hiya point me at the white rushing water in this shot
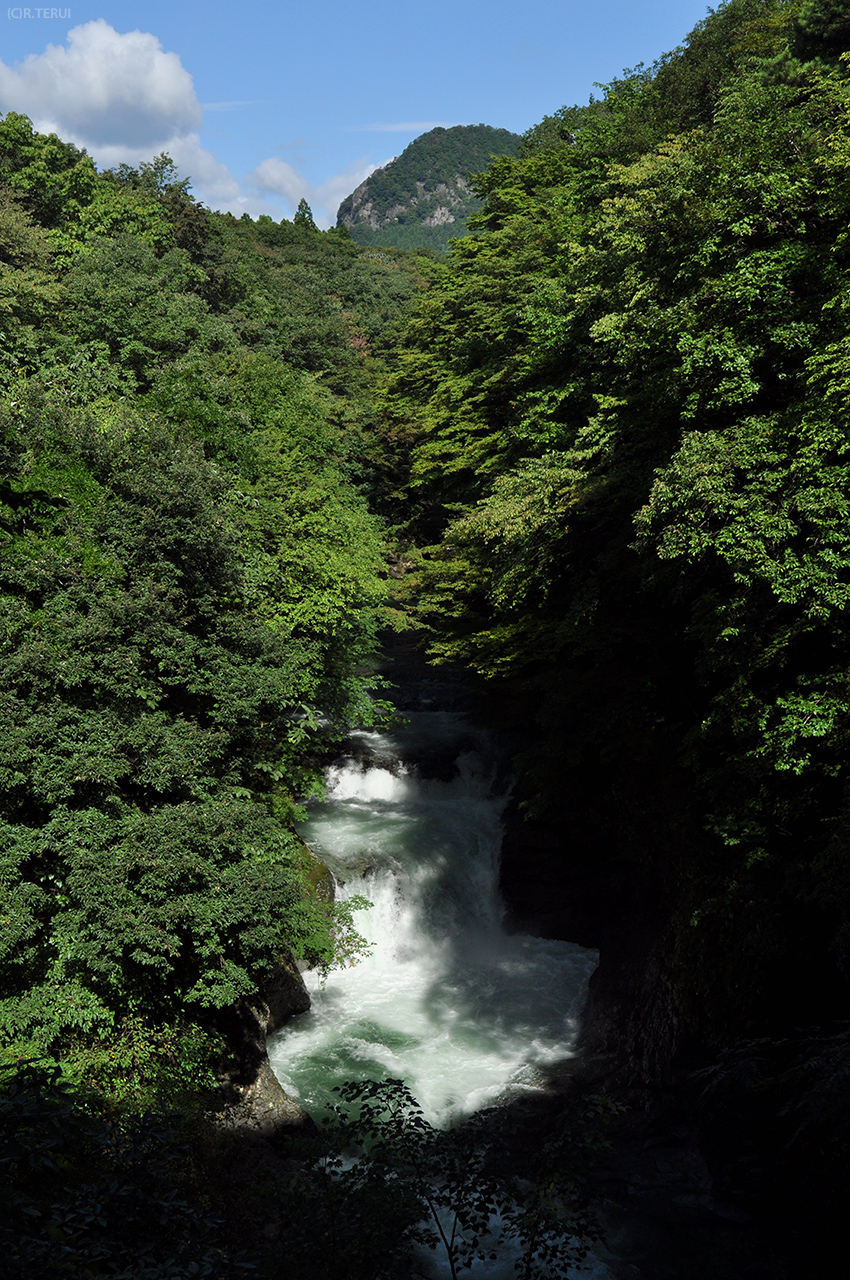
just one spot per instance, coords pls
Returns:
(463, 1012)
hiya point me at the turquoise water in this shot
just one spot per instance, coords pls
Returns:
(463, 1012)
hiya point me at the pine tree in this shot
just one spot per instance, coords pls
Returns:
(304, 215)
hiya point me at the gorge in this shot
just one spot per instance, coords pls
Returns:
(462, 1011)
(597, 460)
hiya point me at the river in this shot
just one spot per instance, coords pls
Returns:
(467, 1014)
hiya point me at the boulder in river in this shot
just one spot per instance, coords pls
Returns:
(255, 1098)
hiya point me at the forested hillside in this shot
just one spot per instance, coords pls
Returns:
(423, 198)
(606, 445)
(629, 478)
(191, 580)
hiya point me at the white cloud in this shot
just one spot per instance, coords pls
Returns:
(278, 177)
(125, 99)
(104, 89)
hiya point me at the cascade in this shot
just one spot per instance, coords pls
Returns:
(465, 1013)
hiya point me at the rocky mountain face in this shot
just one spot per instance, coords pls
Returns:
(423, 198)
(443, 205)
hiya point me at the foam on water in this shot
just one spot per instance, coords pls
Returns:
(462, 1011)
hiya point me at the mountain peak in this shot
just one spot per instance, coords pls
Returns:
(423, 198)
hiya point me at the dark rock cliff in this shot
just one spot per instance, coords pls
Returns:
(253, 1096)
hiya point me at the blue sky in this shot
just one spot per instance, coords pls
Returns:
(261, 104)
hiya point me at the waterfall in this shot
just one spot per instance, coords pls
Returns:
(466, 1014)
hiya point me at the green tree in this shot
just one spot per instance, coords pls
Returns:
(304, 216)
(627, 478)
(384, 1184)
(154, 738)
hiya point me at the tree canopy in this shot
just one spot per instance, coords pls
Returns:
(628, 474)
(191, 583)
